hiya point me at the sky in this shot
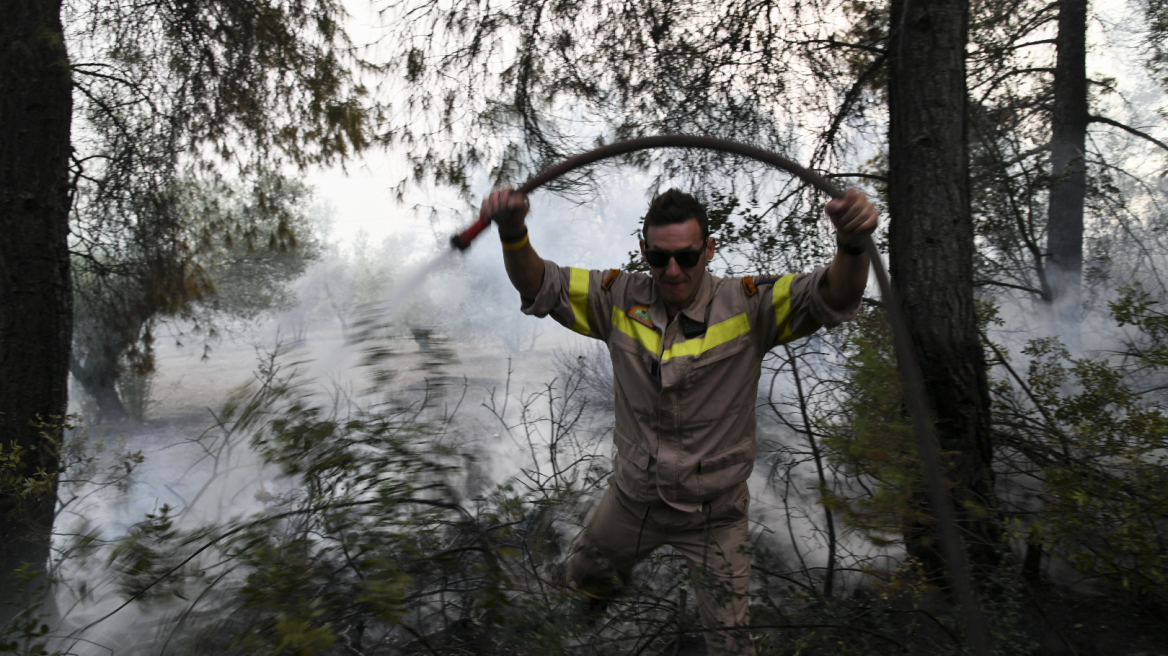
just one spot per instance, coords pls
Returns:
(599, 232)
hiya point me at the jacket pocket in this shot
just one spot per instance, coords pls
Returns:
(721, 352)
(630, 450)
(725, 367)
(721, 471)
(720, 340)
(740, 453)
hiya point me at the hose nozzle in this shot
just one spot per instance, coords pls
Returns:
(462, 240)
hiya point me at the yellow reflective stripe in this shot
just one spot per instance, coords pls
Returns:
(781, 300)
(716, 335)
(646, 336)
(578, 296)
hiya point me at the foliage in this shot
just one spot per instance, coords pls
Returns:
(1081, 455)
(155, 90)
(368, 544)
(892, 614)
(1156, 13)
(1094, 431)
(202, 249)
(178, 108)
(28, 633)
(873, 440)
(794, 78)
(804, 79)
(653, 67)
(84, 468)
(23, 474)
(263, 81)
(378, 540)
(1011, 83)
(373, 528)
(512, 88)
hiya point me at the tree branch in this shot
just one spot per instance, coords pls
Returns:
(1029, 43)
(1095, 118)
(833, 42)
(998, 283)
(867, 176)
(845, 107)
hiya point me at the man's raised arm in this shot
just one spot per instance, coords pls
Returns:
(854, 218)
(508, 209)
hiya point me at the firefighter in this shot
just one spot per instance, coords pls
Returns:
(687, 351)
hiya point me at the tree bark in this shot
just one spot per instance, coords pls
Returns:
(1069, 118)
(35, 289)
(931, 253)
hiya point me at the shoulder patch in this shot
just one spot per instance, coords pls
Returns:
(752, 283)
(749, 286)
(640, 314)
(611, 278)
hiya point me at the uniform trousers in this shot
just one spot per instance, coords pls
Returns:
(714, 540)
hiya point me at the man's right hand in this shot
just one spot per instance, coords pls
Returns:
(508, 208)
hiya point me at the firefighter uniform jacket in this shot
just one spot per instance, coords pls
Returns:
(685, 391)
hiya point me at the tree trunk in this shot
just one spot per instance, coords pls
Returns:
(931, 252)
(35, 290)
(1069, 116)
(98, 377)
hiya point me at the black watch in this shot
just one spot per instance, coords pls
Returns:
(851, 249)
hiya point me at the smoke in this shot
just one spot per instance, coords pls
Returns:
(523, 397)
(520, 396)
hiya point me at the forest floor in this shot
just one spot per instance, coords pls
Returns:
(1065, 622)
(1058, 620)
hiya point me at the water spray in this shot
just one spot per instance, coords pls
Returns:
(910, 371)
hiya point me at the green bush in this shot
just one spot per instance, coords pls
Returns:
(1094, 432)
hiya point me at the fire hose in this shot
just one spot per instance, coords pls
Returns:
(912, 379)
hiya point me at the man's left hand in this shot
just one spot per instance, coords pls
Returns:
(854, 217)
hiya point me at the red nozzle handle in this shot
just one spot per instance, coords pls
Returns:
(462, 240)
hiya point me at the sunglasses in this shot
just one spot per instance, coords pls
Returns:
(686, 259)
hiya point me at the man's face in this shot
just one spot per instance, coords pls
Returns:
(678, 285)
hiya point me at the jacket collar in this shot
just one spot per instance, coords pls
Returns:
(696, 310)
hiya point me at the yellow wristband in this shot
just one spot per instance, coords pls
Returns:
(515, 245)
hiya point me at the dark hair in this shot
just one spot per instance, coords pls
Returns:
(675, 206)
